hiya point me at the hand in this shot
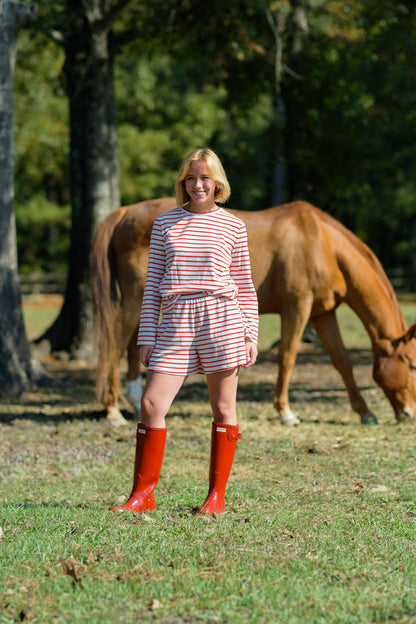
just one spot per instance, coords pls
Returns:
(251, 350)
(145, 354)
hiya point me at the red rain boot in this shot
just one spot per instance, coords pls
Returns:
(223, 443)
(150, 447)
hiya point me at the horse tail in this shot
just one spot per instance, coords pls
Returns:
(107, 309)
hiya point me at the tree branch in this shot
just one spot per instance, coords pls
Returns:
(277, 25)
(108, 16)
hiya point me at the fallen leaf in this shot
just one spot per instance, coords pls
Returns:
(156, 604)
(73, 528)
(121, 499)
(290, 534)
(143, 518)
(70, 569)
(93, 557)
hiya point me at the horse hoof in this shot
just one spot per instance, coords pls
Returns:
(369, 419)
(290, 420)
(115, 418)
(403, 416)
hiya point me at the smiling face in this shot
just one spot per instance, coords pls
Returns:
(200, 186)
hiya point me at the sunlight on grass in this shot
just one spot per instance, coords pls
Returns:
(320, 525)
(39, 312)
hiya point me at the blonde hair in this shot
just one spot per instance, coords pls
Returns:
(222, 186)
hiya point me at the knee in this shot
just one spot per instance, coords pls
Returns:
(224, 412)
(148, 405)
(154, 405)
(152, 413)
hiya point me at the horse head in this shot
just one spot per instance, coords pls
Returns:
(395, 372)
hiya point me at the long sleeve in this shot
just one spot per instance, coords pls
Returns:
(191, 252)
(240, 271)
(150, 312)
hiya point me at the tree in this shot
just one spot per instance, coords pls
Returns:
(347, 96)
(85, 34)
(87, 31)
(16, 371)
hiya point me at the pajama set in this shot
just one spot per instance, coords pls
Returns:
(199, 278)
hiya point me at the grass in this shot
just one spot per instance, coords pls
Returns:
(320, 525)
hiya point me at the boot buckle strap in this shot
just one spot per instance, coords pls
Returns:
(232, 434)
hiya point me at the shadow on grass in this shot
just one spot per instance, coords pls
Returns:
(313, 354)
(77, 415)
(70, 396)
(263, 392)
(63, 505)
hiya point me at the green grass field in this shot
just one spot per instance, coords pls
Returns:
(320, 525)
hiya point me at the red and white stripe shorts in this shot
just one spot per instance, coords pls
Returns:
(199, 334)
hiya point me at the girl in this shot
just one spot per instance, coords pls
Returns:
(199, 276)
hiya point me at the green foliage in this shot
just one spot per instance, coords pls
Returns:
(356, 154)
(161, 119)
(41, 154)
(191, 76)
(41, 121)
(42, 231)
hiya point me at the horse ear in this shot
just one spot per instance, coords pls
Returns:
(411, 333)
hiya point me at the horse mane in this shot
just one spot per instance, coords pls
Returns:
(365, 252)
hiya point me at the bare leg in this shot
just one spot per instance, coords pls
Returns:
(222, 387)
(159, 392)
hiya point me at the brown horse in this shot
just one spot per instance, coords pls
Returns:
(304, 265)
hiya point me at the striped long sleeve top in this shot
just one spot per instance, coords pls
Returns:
(197, 252)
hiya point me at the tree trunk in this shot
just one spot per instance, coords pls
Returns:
(93, 163)
(277, 23)
(296, 138)
(290, 33)
(15, 358)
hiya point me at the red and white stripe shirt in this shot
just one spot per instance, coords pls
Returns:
(193, 252)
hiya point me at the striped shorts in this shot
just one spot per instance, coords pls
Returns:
(199, 334)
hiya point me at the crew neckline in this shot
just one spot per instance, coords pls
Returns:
(197, 212)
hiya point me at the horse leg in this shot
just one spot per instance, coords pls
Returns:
(114, 416)
(326, 326)
(127, 337)
(130, 326)
(134, 380)
(293, 323)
